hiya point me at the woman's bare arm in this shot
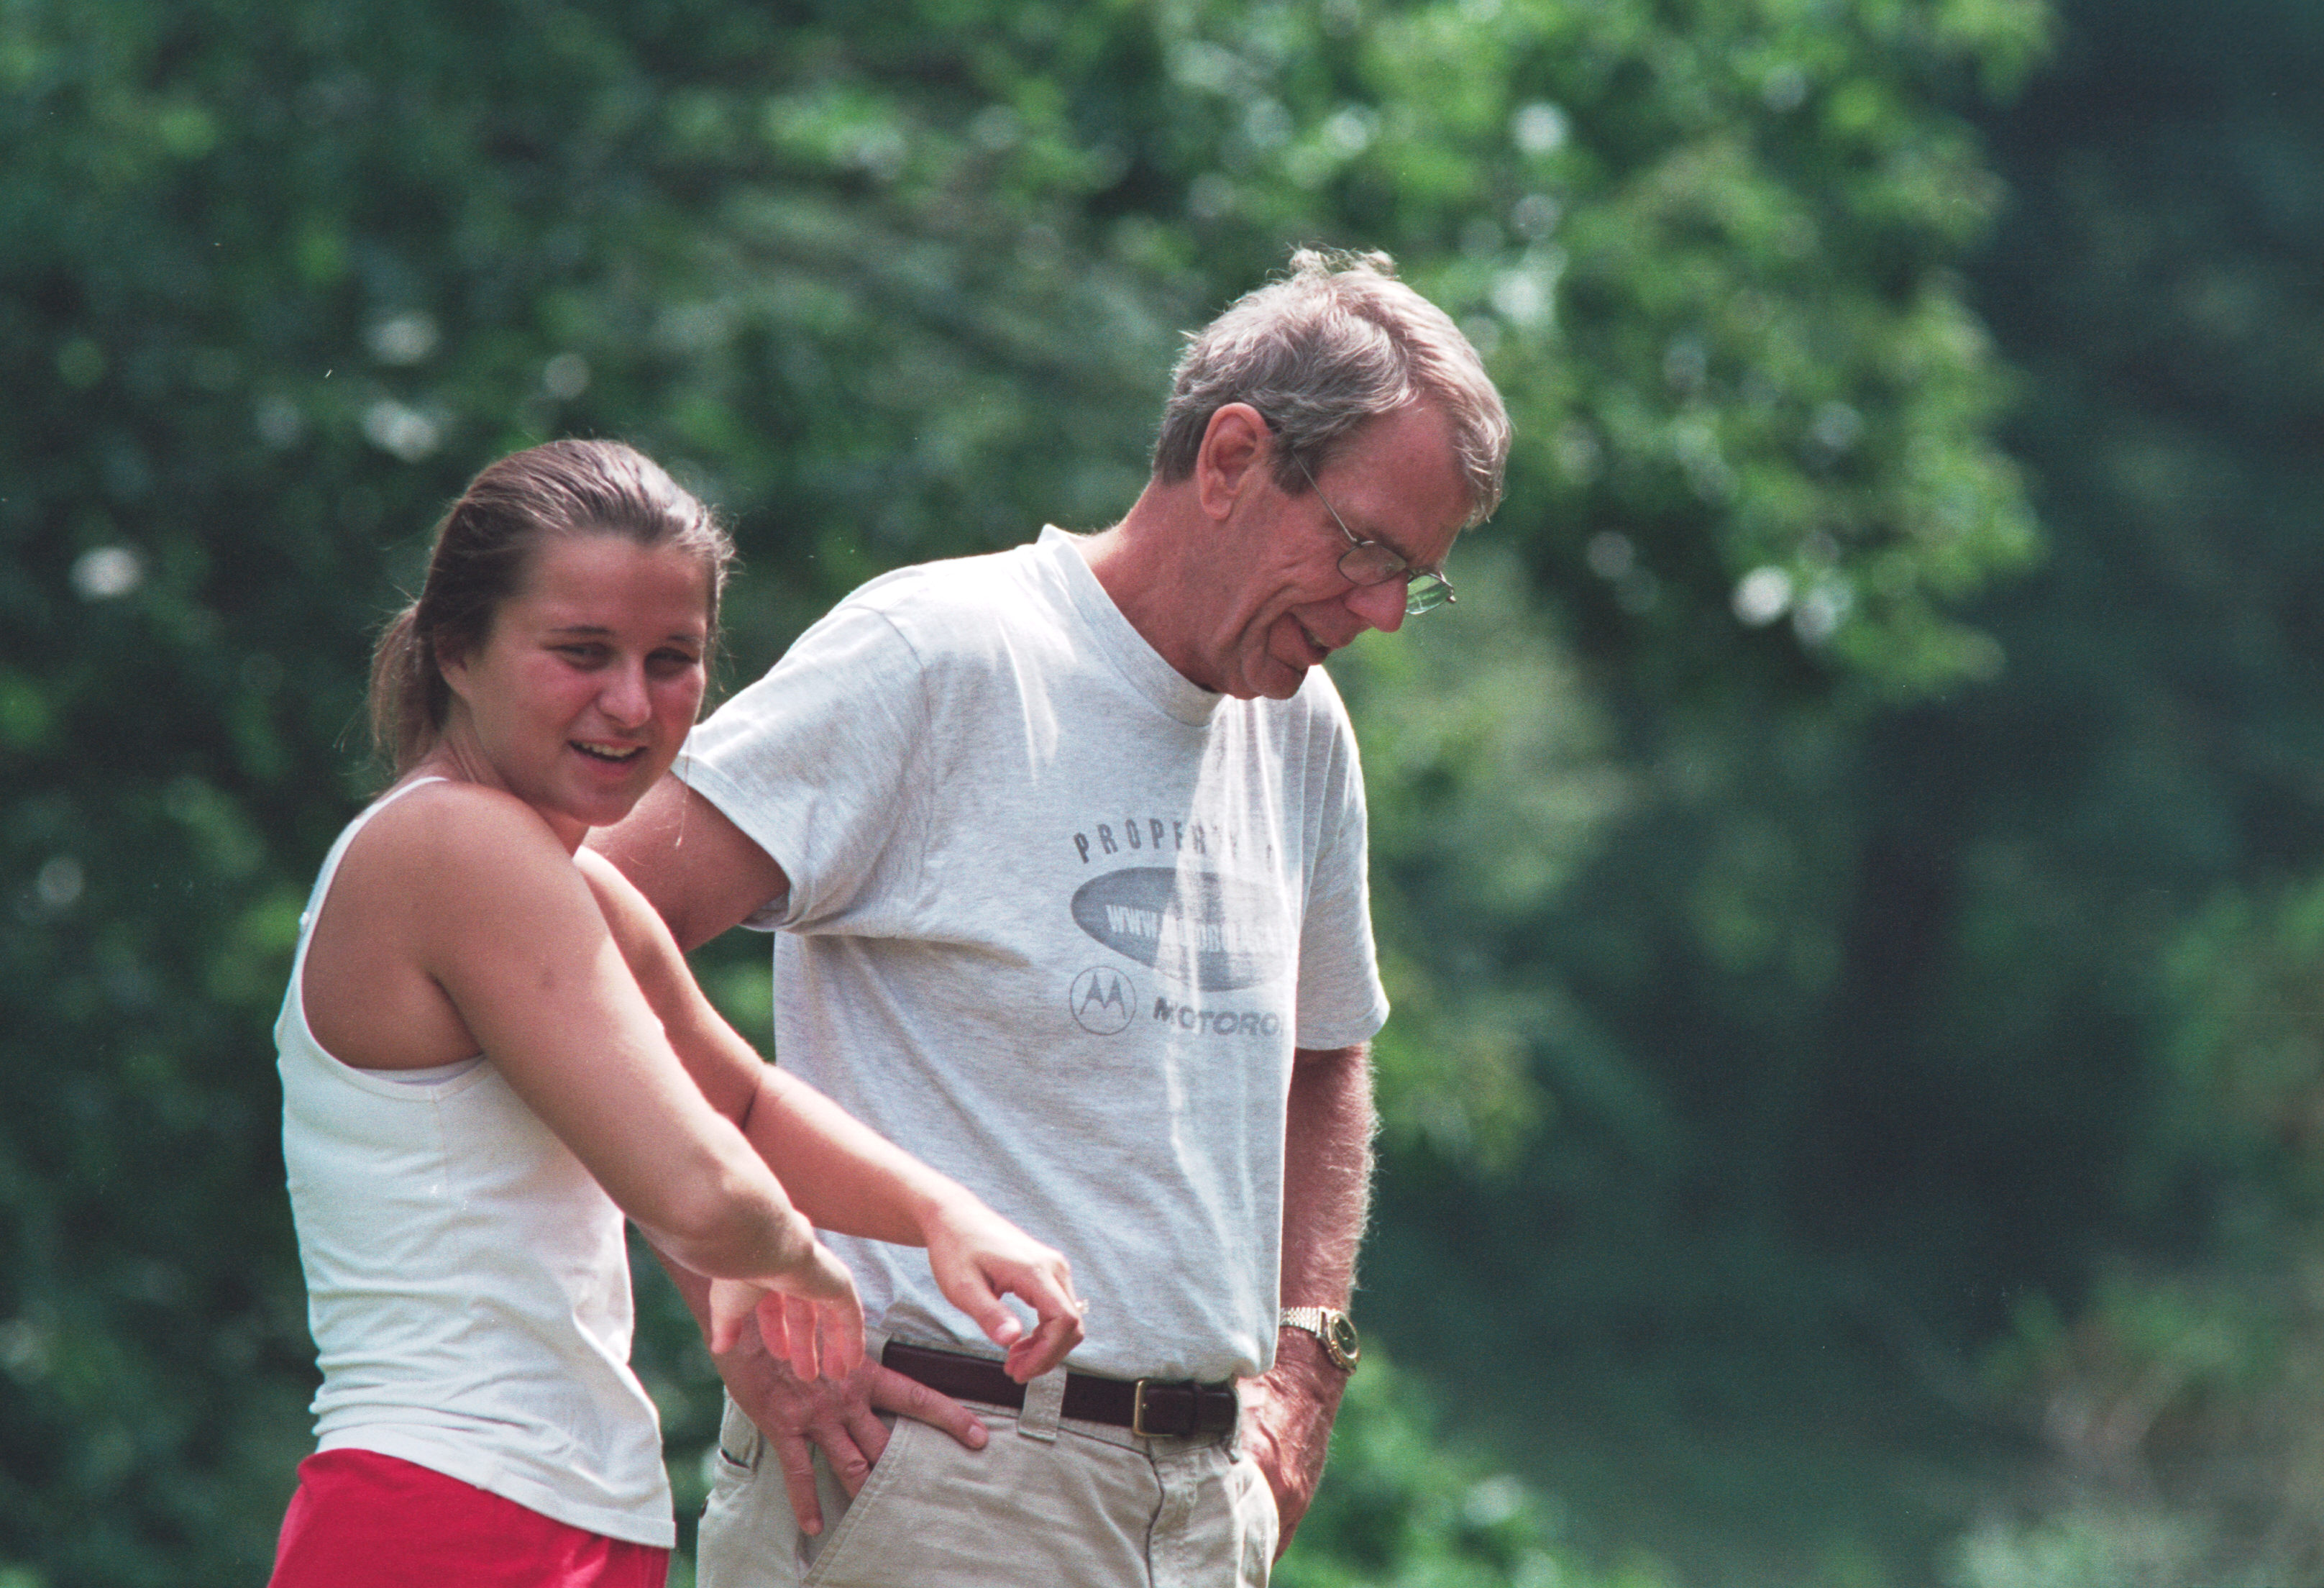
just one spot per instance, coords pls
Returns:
(466, 890)
(844, 1176)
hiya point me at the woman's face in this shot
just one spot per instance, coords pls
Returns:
(580, 695)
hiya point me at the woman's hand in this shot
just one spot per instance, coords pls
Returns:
(810, 1317)
(978, 1256)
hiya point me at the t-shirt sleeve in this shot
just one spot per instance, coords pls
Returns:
(1341, 999)
(814, 763)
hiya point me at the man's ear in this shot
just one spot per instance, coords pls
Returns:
(1236, 446)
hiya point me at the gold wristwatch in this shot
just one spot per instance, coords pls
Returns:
(1333, 1327)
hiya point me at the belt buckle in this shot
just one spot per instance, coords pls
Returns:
(1137, 1411)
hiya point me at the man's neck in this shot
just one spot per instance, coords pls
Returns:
(1142, 564)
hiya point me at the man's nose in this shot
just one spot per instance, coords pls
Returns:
(1381, 606)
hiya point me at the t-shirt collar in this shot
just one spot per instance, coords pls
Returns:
(1138, 661)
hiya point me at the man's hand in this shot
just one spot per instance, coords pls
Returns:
(797, 1415)
(1286, 1425)
(810, 1316)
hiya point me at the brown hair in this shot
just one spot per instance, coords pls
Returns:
(1339, 340)
(484, 548)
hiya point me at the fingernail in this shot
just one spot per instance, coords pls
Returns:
(811, 1528)
(977, 1435)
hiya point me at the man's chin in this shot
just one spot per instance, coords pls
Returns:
(1282, 679)
(1284, 673)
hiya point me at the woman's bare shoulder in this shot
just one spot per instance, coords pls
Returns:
(446, 872)
(446, 816)
(448, 847)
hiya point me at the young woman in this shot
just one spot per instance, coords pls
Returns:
(490, 1052)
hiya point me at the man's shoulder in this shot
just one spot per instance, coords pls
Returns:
(964, 609)
(949, 589)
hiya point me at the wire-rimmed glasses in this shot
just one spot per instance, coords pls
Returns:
(1367, 562)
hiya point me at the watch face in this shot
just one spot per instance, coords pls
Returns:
(1340, 1335)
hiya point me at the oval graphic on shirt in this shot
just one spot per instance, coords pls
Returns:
(1198, 928)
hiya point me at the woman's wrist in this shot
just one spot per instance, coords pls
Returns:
(796, 1244)
(945, 1205)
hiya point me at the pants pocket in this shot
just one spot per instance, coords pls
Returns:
(1257, 1525)
(860, 1545)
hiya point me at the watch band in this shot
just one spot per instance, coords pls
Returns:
(1329, 1324)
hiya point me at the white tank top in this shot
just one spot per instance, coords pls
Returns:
(467, 1281)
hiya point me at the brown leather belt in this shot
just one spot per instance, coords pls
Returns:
(1142, 1406)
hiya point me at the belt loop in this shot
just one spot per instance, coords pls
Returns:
(1045, 1401)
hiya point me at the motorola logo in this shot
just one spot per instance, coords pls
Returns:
(1104, 999)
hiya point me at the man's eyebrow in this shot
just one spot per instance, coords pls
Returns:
(1363, 531)
(1435, 567)
(1383, 540)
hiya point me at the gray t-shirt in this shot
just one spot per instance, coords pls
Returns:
(1058, 919)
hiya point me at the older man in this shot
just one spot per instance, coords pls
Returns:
(1065, 850)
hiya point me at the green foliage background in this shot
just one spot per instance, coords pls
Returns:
(1846, 869)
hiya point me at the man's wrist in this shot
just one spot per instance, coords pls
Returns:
(1333, 1329)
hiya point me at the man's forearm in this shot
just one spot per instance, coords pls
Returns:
(1327, 1175)
(692, 1288)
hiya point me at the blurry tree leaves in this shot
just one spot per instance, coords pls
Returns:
(2247, 985)
(1407, 1507)
(897, 283)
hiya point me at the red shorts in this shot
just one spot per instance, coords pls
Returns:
(360, 1519)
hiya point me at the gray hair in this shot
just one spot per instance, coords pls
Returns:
(1337, 341)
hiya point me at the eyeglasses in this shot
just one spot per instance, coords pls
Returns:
(1367, 562)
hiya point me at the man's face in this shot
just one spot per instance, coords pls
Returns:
(1286, 605)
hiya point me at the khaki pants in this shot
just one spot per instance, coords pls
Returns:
(1049, 1501)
